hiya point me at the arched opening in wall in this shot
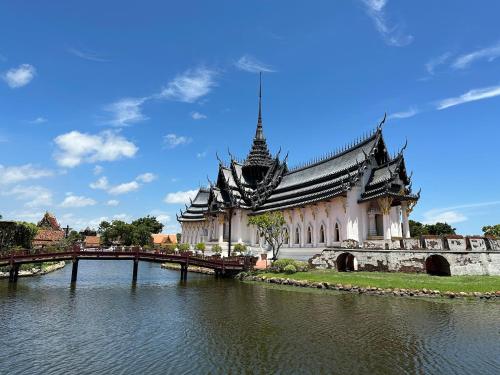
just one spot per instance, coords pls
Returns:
(336, 233)
(322, 234)
(309, 235)
(437, 265)
(346, 262)
(297, 236)
(287, 237)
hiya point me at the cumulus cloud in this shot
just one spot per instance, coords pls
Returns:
(20, 76)
(75, 148)
(34, 196)
(173, 140)
(190, 86)
(489, 54)
(146, 177)
(470, 96)
(250, 64)
(198, 116)
(112, 202)
(75, 201)
(101, 184)
(124, 188)
(126, 111)
(15, 174)
(98, 170)
(392, 35)
(180, 197)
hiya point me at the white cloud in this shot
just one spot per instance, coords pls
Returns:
(98, 170)
(77, 201)
(101, 184)
(180, 196)
(38, 120)
(190, 86)
(201, 155)
(198, 116)
(252, 65)
(172, 140)
(470, 96)
(76, 148)
(432, 64)
(404, 114)
(126, 111)
(122, 217)
(20, 76)
(146, 177)
(392, 35)
(489, 53)
(124, 188)
(112, 202)
(86, 55)
(14, 174)
(449, 217)
(35, 196)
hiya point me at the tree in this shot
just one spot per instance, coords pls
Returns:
(150, 222)
(25, 234)
(271, 227)
(73, 238)
(492, 230)
(136, 233)
(417, 229)
(440, 229)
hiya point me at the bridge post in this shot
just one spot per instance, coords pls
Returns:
(184, 271)
(74, 270)
(134, 272)
(13, 273)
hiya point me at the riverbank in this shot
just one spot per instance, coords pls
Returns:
(383, 283)
(195, 269)
(43, 270)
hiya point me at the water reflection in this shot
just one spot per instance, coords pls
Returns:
(106, 324)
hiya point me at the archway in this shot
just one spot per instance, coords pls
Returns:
(309, 235)
(322, 234)
(336, 233)
(346, 262)
(437, 265)
(297, 236)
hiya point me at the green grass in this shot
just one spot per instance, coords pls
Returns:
(399, 280)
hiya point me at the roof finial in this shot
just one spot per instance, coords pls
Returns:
(259, 134)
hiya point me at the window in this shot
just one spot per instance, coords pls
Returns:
(287, 237)
(322, 234)
(309, 235)
(336, 233)
(297, 236)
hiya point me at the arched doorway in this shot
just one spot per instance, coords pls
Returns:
(437, 265)
(336, 233)
(346, 262)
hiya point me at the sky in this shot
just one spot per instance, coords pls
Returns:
(115, 110)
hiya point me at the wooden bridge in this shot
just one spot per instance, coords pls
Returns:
(222, 266)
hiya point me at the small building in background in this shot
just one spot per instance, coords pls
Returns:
(92, 242)
(49, 232)
(161, 239)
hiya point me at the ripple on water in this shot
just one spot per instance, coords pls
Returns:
(107, 326)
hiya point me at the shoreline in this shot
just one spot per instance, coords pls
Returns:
(354, 289)
(36, 271)
(194, 269)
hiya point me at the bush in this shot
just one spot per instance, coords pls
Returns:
(217, 249)
(281, 264)
(170, 248)
(289, 269)
(240, 248)
(201, 247)
(184, 247)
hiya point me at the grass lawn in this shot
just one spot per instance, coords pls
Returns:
(399, 280)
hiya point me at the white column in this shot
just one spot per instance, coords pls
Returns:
(238, 226)
(372, 225)
(385, 207)
(387, 226)
(352, 215)
(328, 233)
(406, 223)
(221, 230)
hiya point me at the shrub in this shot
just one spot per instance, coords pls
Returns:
(184, 247)
(301, 266)
(240, 248)
(281, 264)
(217, 249)
(201, 247)
(170, 248)
(289, 269)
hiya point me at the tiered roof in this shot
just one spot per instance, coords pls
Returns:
(264, 183)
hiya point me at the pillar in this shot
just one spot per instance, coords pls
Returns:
(221, 230)
(74, 271)
(135, 269)
(238, 226)
(14, 273)
(352, 214)
(184, 271)
(372, 224)
(385, 206)
(328, 229)
(406, 223)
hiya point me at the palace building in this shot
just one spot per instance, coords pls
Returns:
(359, 193)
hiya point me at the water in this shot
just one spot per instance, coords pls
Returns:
(209, 326)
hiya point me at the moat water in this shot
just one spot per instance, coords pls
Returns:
(207, 326)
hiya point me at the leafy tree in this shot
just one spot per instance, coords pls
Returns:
(184, 247)
(417, 229)
(440, 229)
(240, 248)
(217, 249)
(200, 247)
(178, 235)
(73, 238)
(25, 234)
(271, 227)
(150, 223)
(492, 230)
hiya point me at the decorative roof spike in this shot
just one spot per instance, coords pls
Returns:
(218, 158)
(379, 127)
(190, 200)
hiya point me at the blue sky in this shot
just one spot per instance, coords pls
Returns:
(116, 109)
